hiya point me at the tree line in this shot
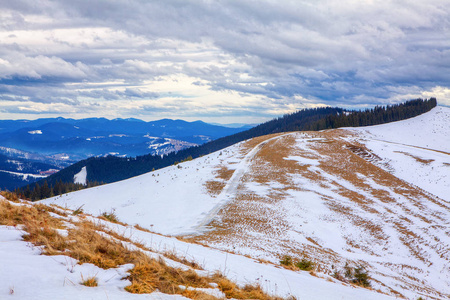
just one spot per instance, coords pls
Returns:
(38, 192)
(111, 169)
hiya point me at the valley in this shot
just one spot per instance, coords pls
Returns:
(49, 145)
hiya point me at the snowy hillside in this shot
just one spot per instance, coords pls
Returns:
(416, 150)
(28, 275)
(372, 197)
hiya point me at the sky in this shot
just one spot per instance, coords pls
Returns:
(218, 61)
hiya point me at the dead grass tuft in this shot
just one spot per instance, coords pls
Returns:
(90, 281)
(231, 290)
(91, 247)
(42, 207)
(110, 216)
(78, 211)
(13, 215)
(10, 196)
(150, 275)
(191, 263)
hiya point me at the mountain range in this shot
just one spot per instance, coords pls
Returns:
(112, 168)
(51, 144)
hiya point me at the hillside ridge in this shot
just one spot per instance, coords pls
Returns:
(328, 196)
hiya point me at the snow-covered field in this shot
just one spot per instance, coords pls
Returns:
(28, 275)
(172, 200)
(416, 150)
(374, 196)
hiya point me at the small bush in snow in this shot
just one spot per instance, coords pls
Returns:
(111, 216)
(78, 211)
(305, 265)
(286, 261)
(356, 275)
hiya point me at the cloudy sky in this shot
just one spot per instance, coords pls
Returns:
(218, 61)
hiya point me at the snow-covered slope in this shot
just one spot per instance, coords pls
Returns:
(28, 275)
(430, 130)
(371, 196)
(172, 200)
(416, 150)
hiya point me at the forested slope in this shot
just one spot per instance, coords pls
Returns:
(112, 169)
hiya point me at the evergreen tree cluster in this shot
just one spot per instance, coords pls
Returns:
(37, 192)
(377, 115)
(111, 169)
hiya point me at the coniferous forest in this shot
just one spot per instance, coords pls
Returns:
(110, 169)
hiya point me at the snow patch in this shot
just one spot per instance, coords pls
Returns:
(35, 132)
(80, 177)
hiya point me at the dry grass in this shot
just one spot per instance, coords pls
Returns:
(191, 263)
(224, 173)
(421, 160)
(13, 215)
(214, 187)
(42, 207)
(78, 211)
(231, 290)
(111, 217)
(139, 227)
(85, 244)
(150, 275)
(10, 196)
(90, 281)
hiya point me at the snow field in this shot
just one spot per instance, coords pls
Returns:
(170, 201)
(332, 205)
(28, 275)
(417, 150)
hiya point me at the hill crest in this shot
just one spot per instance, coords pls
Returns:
(327, 196)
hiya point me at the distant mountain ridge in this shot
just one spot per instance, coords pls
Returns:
(99, 136)
(111, 169)
(59, 142)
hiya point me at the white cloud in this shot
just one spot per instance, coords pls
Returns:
(40, 66)
(209, 59)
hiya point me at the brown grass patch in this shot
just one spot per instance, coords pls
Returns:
(191, 263)
(47, 208)
(252, 143)
(214, 187)
(85, 244)
(231, 290)
(10, 196)
(90, 281)
(224, 173)
(150, 275)
(13, 215)
(421, 160)
(111, 217)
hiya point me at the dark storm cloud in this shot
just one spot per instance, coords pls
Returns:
(345, 53)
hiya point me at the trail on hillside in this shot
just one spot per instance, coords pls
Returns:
(322, 196)
(412, 146)
(231, 187)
